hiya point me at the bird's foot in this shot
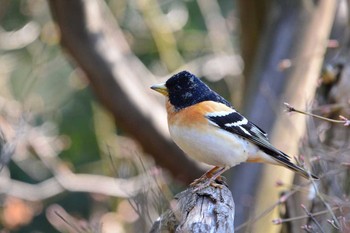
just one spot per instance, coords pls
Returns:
(197, 181)
(220, 180)
(216, 185)
(202, 183)
(208, 175)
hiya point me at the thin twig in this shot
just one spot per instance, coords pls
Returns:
(336, 222)
(333, 224)
(307, 228)
(268, 210)
(111, 160)
(76, 228)
(308, 213)
(278, 221)
(343, 120)
(282, 199)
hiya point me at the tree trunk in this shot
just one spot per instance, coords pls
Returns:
(119, 80)
(286, 70)
(329, 143)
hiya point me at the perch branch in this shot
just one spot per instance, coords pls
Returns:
(208, 210)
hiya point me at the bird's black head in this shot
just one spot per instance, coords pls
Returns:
(185, 89)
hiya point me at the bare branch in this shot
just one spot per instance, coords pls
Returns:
(119, 80)
(343, 120)
(110, 186)
(312, 217)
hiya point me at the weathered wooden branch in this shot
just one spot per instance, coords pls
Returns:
(207, 210)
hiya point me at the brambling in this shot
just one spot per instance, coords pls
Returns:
(207, 128)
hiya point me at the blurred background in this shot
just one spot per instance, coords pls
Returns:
(84, 141)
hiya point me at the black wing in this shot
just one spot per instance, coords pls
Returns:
(235, 123)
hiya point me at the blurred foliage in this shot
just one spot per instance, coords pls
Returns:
(45, 99)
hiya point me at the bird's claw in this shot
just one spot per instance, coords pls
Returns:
(197, 181)
(202, 183)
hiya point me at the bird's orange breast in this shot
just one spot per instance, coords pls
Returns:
(194, 114)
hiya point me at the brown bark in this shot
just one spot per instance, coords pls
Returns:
(252, 15)
(208, 210)
(118, 79)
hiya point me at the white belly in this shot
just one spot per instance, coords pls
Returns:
(219, 149)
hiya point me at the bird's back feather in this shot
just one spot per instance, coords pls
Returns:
(235, 123)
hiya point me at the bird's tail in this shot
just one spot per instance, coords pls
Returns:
(285, 161)
(300, 170)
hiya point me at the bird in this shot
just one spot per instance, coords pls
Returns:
(210, 130)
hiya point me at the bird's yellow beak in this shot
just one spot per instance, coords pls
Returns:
(161, 88)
